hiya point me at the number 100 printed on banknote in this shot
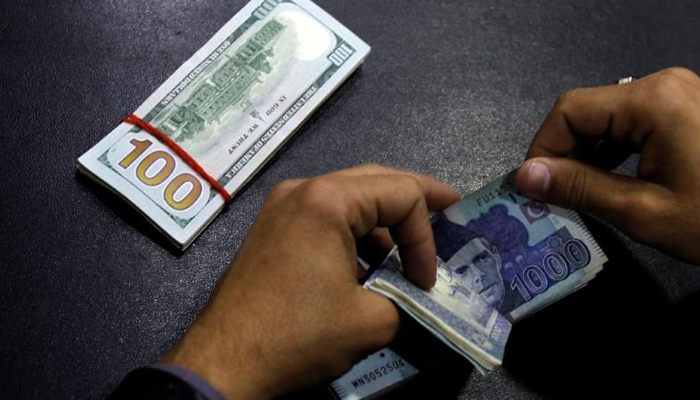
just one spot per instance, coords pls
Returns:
(230, 107)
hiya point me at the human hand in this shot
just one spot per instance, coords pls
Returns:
(289, 311)
(591, 131)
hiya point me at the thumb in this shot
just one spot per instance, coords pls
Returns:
(619, 199)
(375, 320)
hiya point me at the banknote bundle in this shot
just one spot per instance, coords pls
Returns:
(500, 258)
(230, 107)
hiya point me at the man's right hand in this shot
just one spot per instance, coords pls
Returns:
(289, 312)
(591, 131)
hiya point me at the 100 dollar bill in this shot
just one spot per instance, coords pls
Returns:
(230, 106)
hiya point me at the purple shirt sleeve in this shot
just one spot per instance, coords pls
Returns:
(192, 379)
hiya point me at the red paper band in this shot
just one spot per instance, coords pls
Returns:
(134, 120)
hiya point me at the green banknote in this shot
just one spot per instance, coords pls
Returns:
(230, 107)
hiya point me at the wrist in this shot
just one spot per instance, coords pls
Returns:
(202, 389)
(225, 368)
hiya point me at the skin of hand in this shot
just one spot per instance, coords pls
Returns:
(289, 311)
(591, 131)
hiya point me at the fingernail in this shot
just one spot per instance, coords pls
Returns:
(537, 179)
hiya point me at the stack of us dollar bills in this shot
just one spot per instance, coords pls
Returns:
(230, 107)
(500, 258)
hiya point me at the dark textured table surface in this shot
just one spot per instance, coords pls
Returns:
(452, 88)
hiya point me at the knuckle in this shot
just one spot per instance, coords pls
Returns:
(374, 169)
(281, 190)
(413, 184)
(372, 166)
(576, 190)
(669, 90)
(322, 195)
(565, 104)
(642, 215)
(565, 98)
(413, 189)
(680, 72)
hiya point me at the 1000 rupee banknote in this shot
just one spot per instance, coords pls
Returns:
(519, 255)
(457, 315)
(500, 255)
(230, 106)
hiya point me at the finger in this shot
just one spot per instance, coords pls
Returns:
(374, 246)
(282, 189)
(438, 195)
(399, 203)
(607, 154)
(619, 112)
(574, 184)
(626, 114)
(376, 320)
(370, 169)
(381, 239)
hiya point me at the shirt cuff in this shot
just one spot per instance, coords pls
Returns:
(192, 379)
